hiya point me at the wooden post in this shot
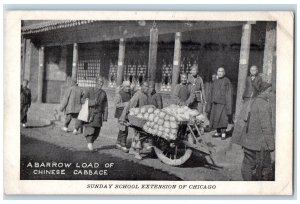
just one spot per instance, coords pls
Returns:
(75, 61)
(270, 46)
(27, 59)
(23, 50)
(176, 60)
(41, 75)
(121, 57)
(243, 66)
(152, 60)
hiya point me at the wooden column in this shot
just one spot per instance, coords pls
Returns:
(23, 50)
(176, 60)
(121, 57)
(27, 59)
(269, 52)
(152, 60)
(75, 61)
(41, 75)
(243, 66)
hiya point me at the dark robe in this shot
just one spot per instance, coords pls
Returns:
(156, 100)
(252, 87)
(122, 97)
(182, 94)
(258, 130)
(98, 106)
(25, 103)
(220, 103)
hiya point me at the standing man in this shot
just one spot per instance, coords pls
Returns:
(25, 102)
(182, 92)
(71, 105)
(154, 97)
(122, 99)
(209, 89)
(220, 106)
(139, 99)
(254, 132)
(98, 112)
(253, 84)
(197, 90)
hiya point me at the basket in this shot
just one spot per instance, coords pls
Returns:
(135, 121)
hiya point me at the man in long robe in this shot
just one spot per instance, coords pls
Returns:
(197, 90)
(71, 105)
(123, 97)
(139, 99)
(25, 102)
(98, 112)
(254, 131)
(220, 104)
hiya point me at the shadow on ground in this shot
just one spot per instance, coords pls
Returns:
(33, 150)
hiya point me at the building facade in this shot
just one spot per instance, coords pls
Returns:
(158, 51)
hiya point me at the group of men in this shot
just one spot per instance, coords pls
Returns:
(217, 102)
(253, 130)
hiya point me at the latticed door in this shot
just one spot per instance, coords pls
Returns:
(135, 69)
(188, 59)
(88, 69)
(165, 63)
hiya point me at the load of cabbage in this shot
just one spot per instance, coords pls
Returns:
(165, 122)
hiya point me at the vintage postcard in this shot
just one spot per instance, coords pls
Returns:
(148, 103)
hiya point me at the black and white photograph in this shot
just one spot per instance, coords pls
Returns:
(150, 99)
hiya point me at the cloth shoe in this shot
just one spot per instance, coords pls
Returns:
(125, 149)
(65, 129)
(75, 132)
(138, 156)
(223, 136)
(90, 146)
(118, 146)
(216, 134)
(132, 151)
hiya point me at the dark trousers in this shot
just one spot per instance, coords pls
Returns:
(122, 137)
(250, 162)
(221, 130)
(24, 110)
(69, 117)
(91, 133)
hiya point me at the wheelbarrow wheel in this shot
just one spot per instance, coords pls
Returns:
(174, 154)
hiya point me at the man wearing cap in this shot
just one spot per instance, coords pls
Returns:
(122, 98)
(254, 132)
(98, 112)
(71, 105)
(197, 90)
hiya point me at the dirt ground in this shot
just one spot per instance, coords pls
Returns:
(43, 140)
